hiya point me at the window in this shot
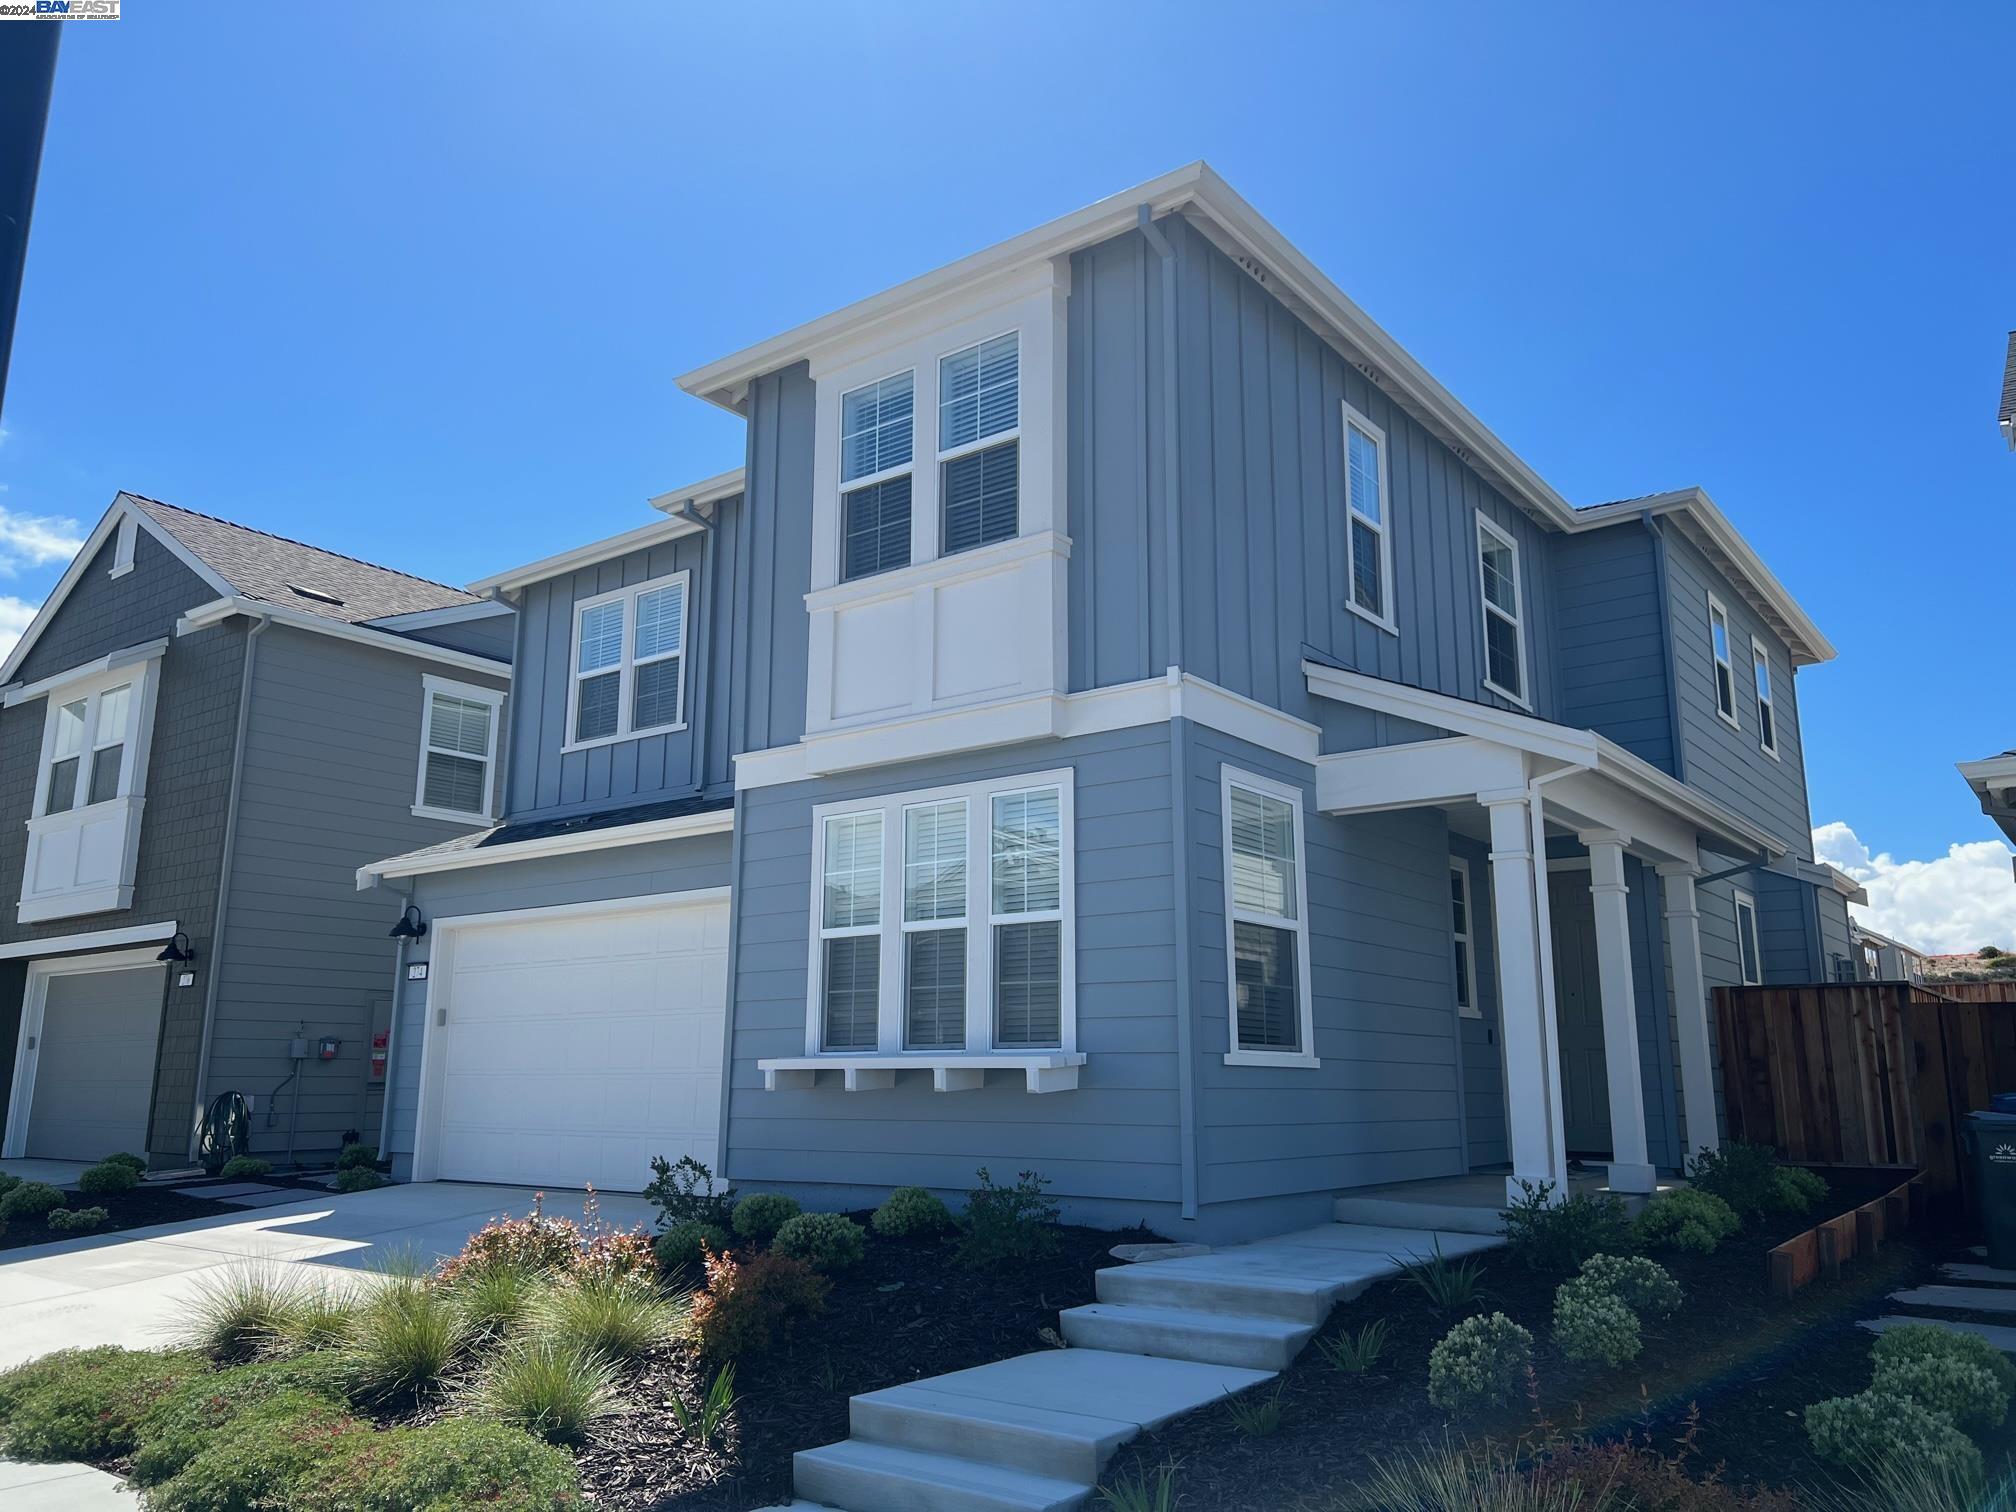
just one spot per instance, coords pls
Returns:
(1767, 711)
(1750, 957)
(1369, 549)
(1464, 945)
(979, 416)
(1266, 928)
(458, 749)
(88, 738)
(1725, 671)
(915, 956)
(122, 547)
(629, 662)
(878, 424)
(1504, 644)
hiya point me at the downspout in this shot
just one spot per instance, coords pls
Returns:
(696, 725)
(1662, 581)
(1179, 759)
(392, 1028)
(259, 625)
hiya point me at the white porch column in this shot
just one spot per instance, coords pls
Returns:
(1630, 1166)
(1690, 1007)
(1532, 1061)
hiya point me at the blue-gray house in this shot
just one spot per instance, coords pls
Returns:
(1125, 719)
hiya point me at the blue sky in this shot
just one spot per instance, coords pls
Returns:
(414, 283)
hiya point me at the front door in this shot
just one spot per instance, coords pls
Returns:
(1578, 1007)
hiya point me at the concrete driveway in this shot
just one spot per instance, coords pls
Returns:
(129, 1288)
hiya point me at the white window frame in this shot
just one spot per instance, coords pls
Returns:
(494, 697)
(849, 485)
(1745, 903)
(143, 678)
(1305, 1056)
(1488, 527)
(1767, 698)
(1716, 659)
(1382, 527)
(963, 922)
(986, 443)
(1467, 938)
(979, 922)
(122, 548)
(627, 666)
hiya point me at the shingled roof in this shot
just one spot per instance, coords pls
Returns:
(2008, 415)
(276, 570)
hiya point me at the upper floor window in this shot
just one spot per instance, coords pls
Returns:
(458, 749)
(629, 662)
(1504, 639)
(1369, 545)
(979, 418)
(87, 738)
(1266, 923)
(1725, 670)
(1462, 940)
(1750, 959)
(1767, 711)
(878, 423)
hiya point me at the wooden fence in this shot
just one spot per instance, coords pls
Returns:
(1866, 1073)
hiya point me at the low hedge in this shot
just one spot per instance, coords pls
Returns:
(86, 1404)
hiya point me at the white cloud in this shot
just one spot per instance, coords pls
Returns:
(36, 540)
(1961, 901)
(15, 613)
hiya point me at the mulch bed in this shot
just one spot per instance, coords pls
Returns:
(909, 1310)
(1748, 1362)
(140, 1208)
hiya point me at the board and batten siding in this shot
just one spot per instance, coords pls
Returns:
(696, 864)
(331, 762)
(1610, 638)
(1112, 1140)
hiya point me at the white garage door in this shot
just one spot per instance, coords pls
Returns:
(577, 1047)
(93, 1065)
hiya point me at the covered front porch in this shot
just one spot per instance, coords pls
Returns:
(1568, 820)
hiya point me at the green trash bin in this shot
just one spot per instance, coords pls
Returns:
(1991, 1144)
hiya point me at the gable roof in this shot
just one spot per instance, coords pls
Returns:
(1225, 219)
(2008, 415)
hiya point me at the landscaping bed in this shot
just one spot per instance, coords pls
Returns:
(45, 1215)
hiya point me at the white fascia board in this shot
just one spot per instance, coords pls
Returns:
(97, 939)
(655, 534)
(422, 863)
(706, 491)
(1980, 774)
(1639, 776)
(427, 619)
(205, 615)
(1419, 774)
(1439, 711)
(16, 693)
(1821, 874)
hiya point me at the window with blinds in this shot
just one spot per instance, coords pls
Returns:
(934, 926)
(630, 662)
(878, 424)
(458, 749)
(1267, 917)
(979, 417)
(1025, 855)
(850, 916)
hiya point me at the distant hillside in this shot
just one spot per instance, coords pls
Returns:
(1985, 965)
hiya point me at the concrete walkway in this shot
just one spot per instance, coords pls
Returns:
(1033, 1433)
(1982, 1289)
(62, 1488)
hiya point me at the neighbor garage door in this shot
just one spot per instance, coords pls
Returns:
(577, 1047)
(94, 1064)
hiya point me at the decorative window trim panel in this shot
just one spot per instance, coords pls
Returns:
(1763, 684)
(430, 685)
(1488, 609)
(1382, 525)
(1722, 660)
(1303, 1056)
(921, 638)
(627, 661)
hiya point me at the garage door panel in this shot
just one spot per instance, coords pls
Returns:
(94, 1064)
(577, 1048)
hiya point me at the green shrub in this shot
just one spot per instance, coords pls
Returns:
(1749, 1178)
(618, 1318)
(106, 1177)
(31, 1199)
(1480, 1362)
(533, 1243)
(8, 1182)
(260, 1456)
(1958, 1390)
(246, 1168)
(1594, 1323)
(1876, 1431)
(759, 1216)
(1355, 1353)
(1688, 1219)
(403, 1339)
(683, 1192)
(360, 1179)
(1799, 1189)
(84, 1404)
(1452, 1286)
(687, 1245)
(446, 1466)
(137, 1165)
(1556, 1237)
(910, 1213)
(496, 1300)
(750, 1305)
(75, 1220)
(1007, 1225)
(176, 1427)
(824, 1241)
(544, 1386)
(356, 1157)
(317, 1314)
(1915, 1341)
(1642, 1285)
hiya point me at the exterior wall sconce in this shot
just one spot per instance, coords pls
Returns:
(410, 926)
(176, 950)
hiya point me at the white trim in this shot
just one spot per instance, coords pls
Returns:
(1488, 527)
(1767, 698)
(28, 1040)
(440, 1021)
(96, 939)
(709, 490)
(1303, 1056)
(19, 693)
(1043, 1070)
(470, 692)
(1382, 526)
(428, 619)
(1743, 901)
(1460, 869)
(657, 533)
(122, 553)
(203, 616)
(627, 660)
(1721, 662)
(422, 863)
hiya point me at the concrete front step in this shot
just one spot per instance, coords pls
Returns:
(1254, 1343)
(1195, 1286)
(1392, 1212)
(1067, 1446)
(859, 1476)
(1958, 1298)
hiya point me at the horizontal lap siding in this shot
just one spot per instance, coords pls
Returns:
(1611, 642)
(1483, 1050)
(1113, 1138)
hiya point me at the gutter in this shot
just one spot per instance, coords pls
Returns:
(218, 610)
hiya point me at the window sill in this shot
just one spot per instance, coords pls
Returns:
(609, 740)
(1769, 751)
(1042, 1070)
(454, 816)
(1729, 719)
(1389, 626)
(72, 905)
(1509, 696)
(1281, 1059)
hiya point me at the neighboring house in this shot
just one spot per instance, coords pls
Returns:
(1878, 958)
(1993, 780)
(27, 79)
(1128, 721)
(205, 730)
(2007, 414)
